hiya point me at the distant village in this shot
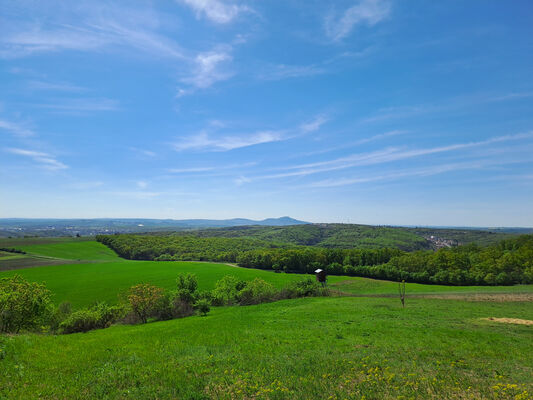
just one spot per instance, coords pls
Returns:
(439, 243)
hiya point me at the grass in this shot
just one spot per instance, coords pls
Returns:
(107, 275)
(313, 348)
(72, 250)
(299, 349)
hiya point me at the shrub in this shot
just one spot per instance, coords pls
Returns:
(187, 284)
(23, 305)
(202, 306)
(303, 288)
(59, 314)
(256, 292)
(99, 316)
(146, 301)
(227, 290)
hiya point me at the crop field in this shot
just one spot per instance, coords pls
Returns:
(358, 344)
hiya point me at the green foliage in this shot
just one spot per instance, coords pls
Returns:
(227, 291)
(179, 248)
(23, 304)
(147, 301)
(187, 286)
(323, 235)
(99, 316)
(202, 306)
(256, 292)
(504, 263)
(307, 287)
(310, 348)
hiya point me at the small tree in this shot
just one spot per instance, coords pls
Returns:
(401, 288)
(202, 306)
(23, 304)
(145, 300)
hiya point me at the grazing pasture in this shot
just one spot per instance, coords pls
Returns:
(358, 344)
(314, 348)
(104, 275)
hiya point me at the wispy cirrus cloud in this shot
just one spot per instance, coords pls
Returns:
(383, 156)
(220, 12)
(209, 142)
(43, 160)
(413, 172)
(194, 170)
(207, 69)
(81, 105)
(16, 129)
(202, 141)
(368, 12)
(284, 71)
(99, 27)
(55, 86)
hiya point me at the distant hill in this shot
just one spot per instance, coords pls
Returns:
(354, 236)
(70, 227)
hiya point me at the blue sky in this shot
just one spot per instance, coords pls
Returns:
(369, 111)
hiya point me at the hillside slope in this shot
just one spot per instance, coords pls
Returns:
(352, 235)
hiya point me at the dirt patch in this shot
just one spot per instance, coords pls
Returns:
(497, 297)
(24, 262)
(511, 321)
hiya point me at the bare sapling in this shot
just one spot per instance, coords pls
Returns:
(401, 288)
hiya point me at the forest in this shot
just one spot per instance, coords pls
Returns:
(510, 261)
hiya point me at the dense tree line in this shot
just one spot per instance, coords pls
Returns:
(510, 261)
(180, 248)
(507, 262)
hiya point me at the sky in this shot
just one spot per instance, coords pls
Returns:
(361, 111)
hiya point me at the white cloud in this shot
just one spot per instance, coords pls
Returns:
(434, 170)
(82, 105)
(314, 125)
(98, 27)
(207, 69)
(44, 160)
(142, 184)
(220, 12)
(63, 87)
(383, 156)
(210, 168)
(368, 12)
(202, 141)
(15, 129)
(206, 141)
(282, 71)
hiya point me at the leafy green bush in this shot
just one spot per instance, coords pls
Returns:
(202, 306)
(256, 292)
(227, 290)
(23, 304)
(58, 315)
(99, 316)
(307, 287)
(147, 301)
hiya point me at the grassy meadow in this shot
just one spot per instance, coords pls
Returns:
(341, 347)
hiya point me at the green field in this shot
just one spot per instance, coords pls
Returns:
(84, 283)
(312, 348)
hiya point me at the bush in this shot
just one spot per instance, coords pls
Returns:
(23, 305)
(147, 301)
(99, 316)
(58, 315)
(306, 287)
(187, 284)
(202, 306)
(227, 290)
(256, 292)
